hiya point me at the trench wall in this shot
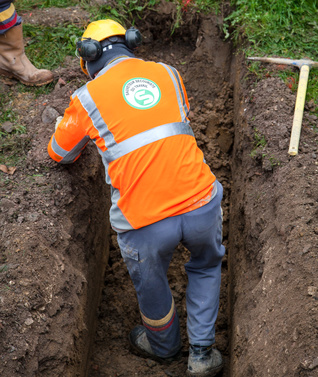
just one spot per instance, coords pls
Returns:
(92, 228)
(87, 256)
(272, 237)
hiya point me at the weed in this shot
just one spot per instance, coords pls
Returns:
(273, 161)
(259, 143)
(5, 288)
(4, 268)
(259, 139)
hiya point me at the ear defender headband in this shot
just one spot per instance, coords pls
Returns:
(90, 49)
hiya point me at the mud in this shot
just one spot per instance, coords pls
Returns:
(67, 303)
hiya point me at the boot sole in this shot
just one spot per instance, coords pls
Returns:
(139, 352)
(211, 373)
(12, 76)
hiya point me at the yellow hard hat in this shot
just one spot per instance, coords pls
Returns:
(103, 29)
(100, 30)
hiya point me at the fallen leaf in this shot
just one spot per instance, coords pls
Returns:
(7, 170)
(4, 168)
(12, 169)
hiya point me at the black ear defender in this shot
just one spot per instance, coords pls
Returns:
(132, 38)
(90, 49)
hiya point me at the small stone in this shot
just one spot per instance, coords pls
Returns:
(306, 248)
(312, 290)
(7, 204)
(7, 126)
(29, 321)
(33, 217)
(11, 349)
(314, 364)
(49, 115)
(20, 219)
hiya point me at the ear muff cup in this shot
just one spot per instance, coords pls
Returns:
(132, 38)
(90, 49)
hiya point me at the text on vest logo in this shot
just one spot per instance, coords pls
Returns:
(141, 93)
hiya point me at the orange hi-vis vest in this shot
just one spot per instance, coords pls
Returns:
(136, 112)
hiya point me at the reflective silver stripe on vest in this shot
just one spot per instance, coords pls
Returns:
(116, 215)
(147, 137)
(178, 87)
(92, 111)
(69, 157)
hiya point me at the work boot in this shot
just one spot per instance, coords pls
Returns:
(141, 346)
(204, 361)
(14, 62)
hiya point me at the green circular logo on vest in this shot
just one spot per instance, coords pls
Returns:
(141, 93)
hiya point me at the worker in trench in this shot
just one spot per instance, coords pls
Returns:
(162, 191)
(13, 60)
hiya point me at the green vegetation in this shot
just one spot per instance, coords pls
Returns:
(13, 148)
(48, 46)
(122, 11)
(287, 28)
(284, 28)
(27, 5)
(259, 143)
(274, 161)
(14, 143)
(36, 90)
(6, 113)
(277, 28)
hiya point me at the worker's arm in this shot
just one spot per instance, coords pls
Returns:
(70, 136)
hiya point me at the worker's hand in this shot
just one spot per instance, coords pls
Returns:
(58, 121)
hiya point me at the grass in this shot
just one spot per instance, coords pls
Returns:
(284, 28)
(27, 5)
(13, 147)
(276, 28)
(122, 11)
(48, 46)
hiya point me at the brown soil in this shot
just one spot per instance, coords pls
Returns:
(67, 303)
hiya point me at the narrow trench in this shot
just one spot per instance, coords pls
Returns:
(207, 78)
